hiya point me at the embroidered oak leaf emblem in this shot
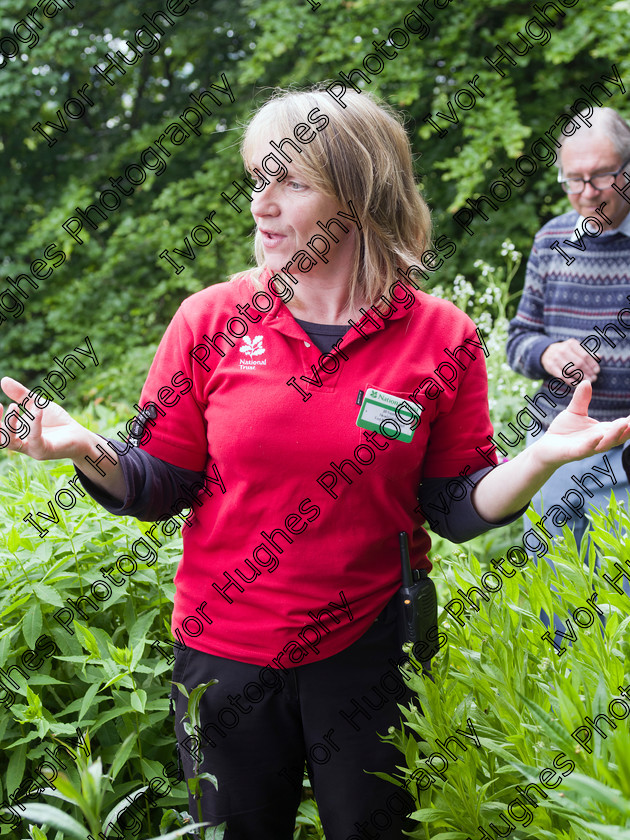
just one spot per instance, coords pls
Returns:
(252, 348)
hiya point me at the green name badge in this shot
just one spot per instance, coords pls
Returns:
(390, 416)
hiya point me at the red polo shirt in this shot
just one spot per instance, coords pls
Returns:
(265, 556)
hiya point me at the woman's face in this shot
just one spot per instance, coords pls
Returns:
(286, 213)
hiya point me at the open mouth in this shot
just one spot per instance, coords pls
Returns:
(271, 238)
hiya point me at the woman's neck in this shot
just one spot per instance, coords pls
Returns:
(323, 304)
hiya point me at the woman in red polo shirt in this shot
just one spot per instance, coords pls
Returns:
(318, 405)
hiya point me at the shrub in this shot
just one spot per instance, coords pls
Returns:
(108, 670)
(531, 705)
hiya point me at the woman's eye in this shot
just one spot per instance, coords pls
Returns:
(295, 186)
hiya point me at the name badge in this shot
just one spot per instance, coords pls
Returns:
(390, 416)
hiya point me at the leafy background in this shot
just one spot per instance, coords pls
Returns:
(115, 289)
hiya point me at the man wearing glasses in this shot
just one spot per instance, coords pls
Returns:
(577, 285)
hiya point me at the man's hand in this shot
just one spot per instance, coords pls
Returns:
(560, 353)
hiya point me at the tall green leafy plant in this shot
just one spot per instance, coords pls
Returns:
(487, 297)
(526, 701)
(108, 670)
(88, 796)
(191, 723)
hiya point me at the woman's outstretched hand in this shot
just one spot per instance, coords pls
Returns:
(42, 433)
(574, 435)
(49, 433)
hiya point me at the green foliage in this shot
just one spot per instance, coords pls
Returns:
(113, 286)
(105, 678)
(525, 701)
(89, 799)
(308, 820)
(192, 722)
(486, 298)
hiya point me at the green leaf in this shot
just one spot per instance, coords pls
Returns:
(429, 815)
(91, 785)
(181, 688)
(13, 540)
(138, 699)
(115, 679)
(15, 771)
(45, 679)
(180, 832)
(47, 595)
(65, 787)
(32, 625)
(209, 778)
(123, 805)
(86, 637)
(112, 714)
(57, 794)
(89, 696)
(590, 789)
(138, 634)
(550, 726)
(34, 701)
(195, 699)
(122, 754)
(449, 835)
(57, 819)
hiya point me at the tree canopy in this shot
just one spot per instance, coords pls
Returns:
(126, 141)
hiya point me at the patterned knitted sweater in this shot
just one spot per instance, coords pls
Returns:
(586, 298)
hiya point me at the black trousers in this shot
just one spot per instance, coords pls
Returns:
(259, 726)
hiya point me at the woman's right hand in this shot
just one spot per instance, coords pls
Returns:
(47, 433)
(50, 434)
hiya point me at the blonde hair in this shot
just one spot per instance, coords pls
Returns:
(362, 155)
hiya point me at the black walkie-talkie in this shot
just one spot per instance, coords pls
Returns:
(418, 606)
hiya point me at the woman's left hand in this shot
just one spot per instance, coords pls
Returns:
(574, 435)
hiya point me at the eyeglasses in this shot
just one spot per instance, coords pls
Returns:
(574, 186)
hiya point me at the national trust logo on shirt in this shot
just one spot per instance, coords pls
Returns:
(252, 347)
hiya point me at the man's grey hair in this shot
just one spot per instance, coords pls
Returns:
(606, 122)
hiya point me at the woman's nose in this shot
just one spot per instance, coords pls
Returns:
(264, 201)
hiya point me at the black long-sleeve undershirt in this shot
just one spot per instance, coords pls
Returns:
(153, 486)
